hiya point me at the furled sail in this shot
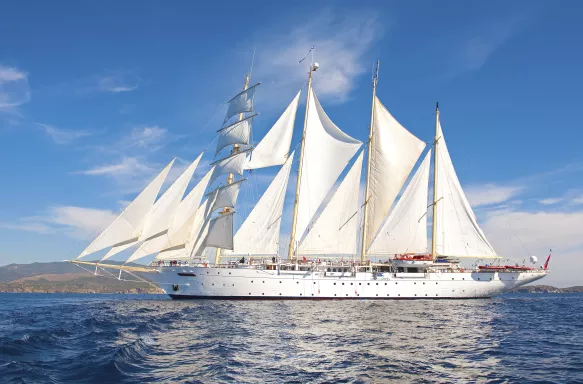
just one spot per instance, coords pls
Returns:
(327, 151)
(236, 133)
(241, 103)
(336, 229)
(457, 231)
(394, 152)
(259, 233)
(227, 195)
(179, 231)
(273, 149)
(130, 222)
(232, 164)
(405, 230)
(162, 212)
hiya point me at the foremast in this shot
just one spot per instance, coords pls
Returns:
(370, 139)
(292, 239)
(434, 203)
(231, 176)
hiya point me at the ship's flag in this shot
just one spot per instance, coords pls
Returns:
(547, 262)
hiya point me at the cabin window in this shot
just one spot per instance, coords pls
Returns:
(328, 269)
(334, 270)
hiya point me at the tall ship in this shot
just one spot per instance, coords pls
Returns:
(343, 244)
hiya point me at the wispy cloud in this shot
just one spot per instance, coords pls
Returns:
(550, 201)
(488, 194)
(341, 43)
(14, 88)
(73, 221)
(118, 83)
(126, 166)
(62, 136)
(28, 227)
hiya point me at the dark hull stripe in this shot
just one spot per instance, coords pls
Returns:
(193, 297)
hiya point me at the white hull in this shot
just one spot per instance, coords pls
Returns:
(250, 283)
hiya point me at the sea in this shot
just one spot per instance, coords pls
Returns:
(78, 338)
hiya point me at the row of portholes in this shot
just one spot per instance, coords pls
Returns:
(335, 295)
(337, 270)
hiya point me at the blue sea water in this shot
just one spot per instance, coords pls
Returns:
(65, 338)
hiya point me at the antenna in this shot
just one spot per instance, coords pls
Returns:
(252, 62)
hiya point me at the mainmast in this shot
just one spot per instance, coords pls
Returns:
(291, 252)
(370, 139)
(231, 176)
(435, 143)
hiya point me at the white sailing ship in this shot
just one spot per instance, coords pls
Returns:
(339, 248)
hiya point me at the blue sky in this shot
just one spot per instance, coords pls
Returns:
(96, 97)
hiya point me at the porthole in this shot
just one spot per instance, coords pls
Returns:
(342, 283)
(347, 294)
(399, 294)
(263, 293)
(334, 283)
(369, 283)
(377, 294)
(385, 283)
(251, 280)
(280, 294)
(359, 283)
(314, 282)
(351, 283)
(297, 282)
(377, 283)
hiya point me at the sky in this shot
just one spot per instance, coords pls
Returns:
(96, 97)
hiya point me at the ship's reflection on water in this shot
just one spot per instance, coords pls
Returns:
(521, 338)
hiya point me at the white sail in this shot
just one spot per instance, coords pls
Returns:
(334, 232)
(259, 233)
(405, 230)
(236, 133)
(130, 222)
(233, 164)
(273, 149)
(227, 195)
(327, 151)
(162, 212)
(199, 228)
(179, 231)
(394, 152)
(457, 230)
(241, 103)
(220, 232)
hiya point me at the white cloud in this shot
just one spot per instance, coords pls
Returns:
(122, 81)
(152, 137)
(77, 222)
(14, 88)
(28, 227)
(62, 136)
(127, 166)
(341, 43)
(577, 200)
(488, 194)
(510, 232)
(550, 201)
(474, 52)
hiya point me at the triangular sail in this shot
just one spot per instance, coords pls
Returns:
(273, 149)
(405, 230)
(162, 212)
(130, 222)
(457, 231)
(179, 231)
(335, 230)
(394, 152)
(327, 151)
(259, 233)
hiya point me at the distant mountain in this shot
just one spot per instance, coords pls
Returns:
(64, 277)
(546, 289)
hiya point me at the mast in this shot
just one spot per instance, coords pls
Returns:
(231, 176)
(292, 239)
(435, 143)
(370, 139)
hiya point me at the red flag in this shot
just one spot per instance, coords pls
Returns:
(547, 262)
(305, 258)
